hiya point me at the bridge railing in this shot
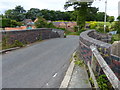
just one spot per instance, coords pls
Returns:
(30, 35)
(98, 63)
(103, 55)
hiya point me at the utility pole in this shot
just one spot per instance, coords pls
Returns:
(105, 16)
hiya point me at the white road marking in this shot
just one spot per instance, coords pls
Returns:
(7, 52)
(55, 75)
(47, 84)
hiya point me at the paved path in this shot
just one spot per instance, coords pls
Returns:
(79, 78)
(38, 66)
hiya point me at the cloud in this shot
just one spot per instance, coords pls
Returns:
(27, 4)
(112, 8)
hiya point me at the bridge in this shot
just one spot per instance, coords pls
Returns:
(43, 64)
(39, 65)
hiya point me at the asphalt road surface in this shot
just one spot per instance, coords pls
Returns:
(40, 65)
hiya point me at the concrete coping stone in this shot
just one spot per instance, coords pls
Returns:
(84, 36)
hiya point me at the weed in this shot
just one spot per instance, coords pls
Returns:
(102, 82)
(18, 44)
(91, 81)
(79, 63)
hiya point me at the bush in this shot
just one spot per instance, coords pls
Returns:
(99, 26)
(5, 23)
(115, 37)
(6, 45)
(75, 28)
(117, 27)
(18, 44)
(42, 23)
(14, 23)
(102, 82)
(93, 25)
(9, 23)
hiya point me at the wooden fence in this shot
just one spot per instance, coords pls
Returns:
(98, 59)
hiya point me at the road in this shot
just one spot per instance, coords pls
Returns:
(40, 65)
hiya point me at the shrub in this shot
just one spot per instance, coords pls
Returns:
(117, 26)
(42, 23)
(102, 82)
(18, 44)
(93, 25)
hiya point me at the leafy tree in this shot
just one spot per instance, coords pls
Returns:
(17, 14)
(117, 27)
(73, 15)
(33, 13)
(45, 14)
(14, 23)
(111, 19)
(55, 15)
(42, 23)
(100, 16)
(2, 16)
(91, 14)
(5, 23)
(118, 18)
(9, 14)
(66, 16)
(81, 11)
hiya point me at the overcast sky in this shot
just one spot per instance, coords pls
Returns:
(112, 7)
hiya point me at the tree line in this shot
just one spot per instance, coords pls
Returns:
(18, 14)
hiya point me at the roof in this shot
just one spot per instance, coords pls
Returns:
(27, 20)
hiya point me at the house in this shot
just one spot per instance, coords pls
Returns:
(26, 21)
(67, 25)
(57, 24)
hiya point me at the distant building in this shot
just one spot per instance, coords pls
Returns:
(29, 23)
(25, 21)
(119, 8)
(67, 25)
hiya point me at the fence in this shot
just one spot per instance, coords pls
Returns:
(99, 63)
(102, 53)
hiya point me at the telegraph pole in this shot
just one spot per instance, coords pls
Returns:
(105, 16)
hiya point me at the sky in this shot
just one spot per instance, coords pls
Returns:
(112, 5)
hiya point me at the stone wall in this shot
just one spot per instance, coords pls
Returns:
(116, 48)
(100, 36)
(87, 38)
(31, 35)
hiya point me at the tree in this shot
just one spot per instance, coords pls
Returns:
(100, 16)
(5, 23)
(14, 23)
(73, 16)
(33, 13)
(81, 11)
(17, 14)
(117, 25)
(9, 14)
(91, 14)
(111, 19)
(118, 18)
(42, 23)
